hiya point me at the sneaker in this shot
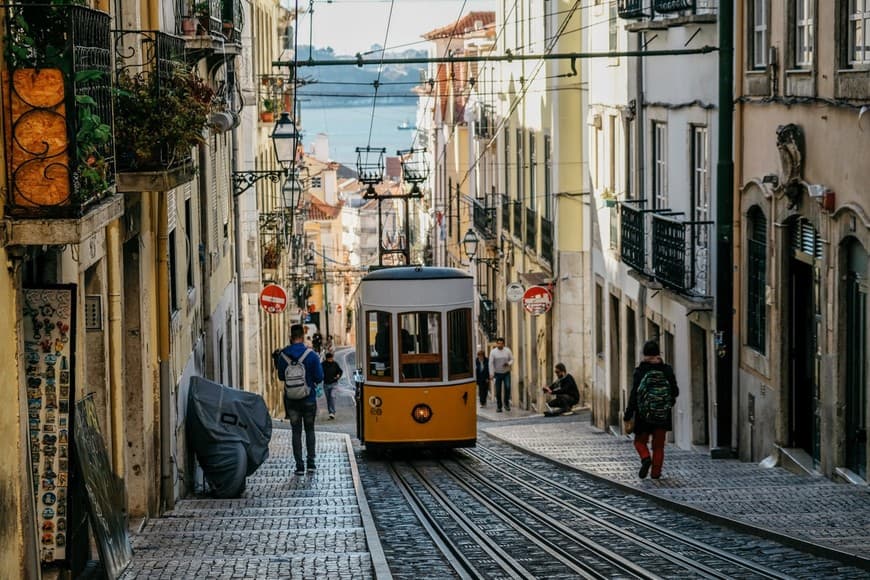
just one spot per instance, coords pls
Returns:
(507, 407)
(656, 475)
(332, 415)
(645, 464)
(300, 470)
(311, 466)
(566, 413)
(499, 410)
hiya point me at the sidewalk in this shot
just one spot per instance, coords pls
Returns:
(315, 525)
(813, 512)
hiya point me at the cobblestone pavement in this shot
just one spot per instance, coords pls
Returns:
(283, 526)
(799, 509)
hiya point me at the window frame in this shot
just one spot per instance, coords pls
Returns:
(466, 348)
(389, 362)
(756, 303)
(436, 358)
(803, 28)
(659, 152)
(853, 17)
(758, 34)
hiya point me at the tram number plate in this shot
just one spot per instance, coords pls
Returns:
(376, 411)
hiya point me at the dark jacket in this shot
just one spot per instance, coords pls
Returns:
(313, 368)
(481, 370)
(649, 363)
(567, 388)
(331, 372)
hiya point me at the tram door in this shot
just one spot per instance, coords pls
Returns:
(803, 403)
(856, 360)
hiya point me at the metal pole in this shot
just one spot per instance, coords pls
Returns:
(724, 236)
(325, 296)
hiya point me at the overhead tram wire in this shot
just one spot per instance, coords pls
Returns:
(378, 79)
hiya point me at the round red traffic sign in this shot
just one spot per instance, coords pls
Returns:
(273, 299)
(537, 300)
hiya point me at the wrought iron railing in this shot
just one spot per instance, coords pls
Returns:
(156, 57)
(517, 228)
(633, 248)
(57, 100)
(631, 8)
(484, 220)
(665, 6)
(233, 20)
(531, 230)
(487, 318)
(506, 213)
(547, 239)
(681, 254)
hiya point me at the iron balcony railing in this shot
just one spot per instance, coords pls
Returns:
(531, 230)
(484, 220)
(487, 318)
(57, 101)
(681, 254)
(156, 57)
(506, 214)
(633, 247)
(631, 9)
(547, 239)
(233, 20)
(211, 17)
(665, 6)
(517, 219)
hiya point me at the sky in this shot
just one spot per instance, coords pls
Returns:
(351, 26)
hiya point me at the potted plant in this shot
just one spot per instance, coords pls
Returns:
(608, 197)
(267, 113)
(159, 121)
(202, 13)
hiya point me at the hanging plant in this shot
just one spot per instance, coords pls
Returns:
(158, 122)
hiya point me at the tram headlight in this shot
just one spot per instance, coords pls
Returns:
(422, 413)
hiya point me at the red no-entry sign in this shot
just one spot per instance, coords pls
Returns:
(537, 300)
(273, 299)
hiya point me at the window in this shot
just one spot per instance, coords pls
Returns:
(759, 39)
(756, 275)
(548, 178)
(611, 157)
(859, 32)
(612, 28)
(317, 182)
(599, 320)
(173, 273)
(700, 174)
(803, 45)
(379, 343)
(188, 232)
(507, 158)
(420, 356)
(519, 168)
(459, 344)
(533, 171)
(660, 165)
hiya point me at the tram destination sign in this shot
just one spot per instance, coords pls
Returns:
(537, 300)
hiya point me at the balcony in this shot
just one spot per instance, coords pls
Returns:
(484, 220)
(633, 250)
(151, 73)
(485, 126)
(681, 254)
(632, 9)
(487, 318)
(531, 230)
(505, 213)
(210, 26)
(547, 239)
(517, 228)
(57, 101)
(667, 6)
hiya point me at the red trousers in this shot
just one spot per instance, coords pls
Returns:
(658, 448)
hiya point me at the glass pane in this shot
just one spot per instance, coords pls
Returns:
(379, 342)
(420, 345)
(459, 343)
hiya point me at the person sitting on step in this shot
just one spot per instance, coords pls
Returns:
(565, 389)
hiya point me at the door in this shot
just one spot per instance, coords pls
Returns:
(802, 355)
(856, 359)
(614, 413)
(700, 401)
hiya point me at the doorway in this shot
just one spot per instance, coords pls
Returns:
(856, 358)
(614, 412)
(803, 388)
(700, 400)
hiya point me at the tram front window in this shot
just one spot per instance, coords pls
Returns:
(459, 352)
(379, 347)
(420, 359)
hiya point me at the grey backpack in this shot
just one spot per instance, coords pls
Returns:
(295, 385)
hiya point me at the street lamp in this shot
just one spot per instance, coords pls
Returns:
(291, 191)
(285, 139)
(469, 243)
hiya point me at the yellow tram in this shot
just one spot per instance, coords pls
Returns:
(415, 385)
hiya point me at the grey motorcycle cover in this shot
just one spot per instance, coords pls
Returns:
(229, 431)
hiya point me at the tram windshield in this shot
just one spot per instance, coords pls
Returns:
(420, 356)
(379, 344)
(459, 344)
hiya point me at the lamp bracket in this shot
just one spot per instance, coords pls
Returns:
(245, 180)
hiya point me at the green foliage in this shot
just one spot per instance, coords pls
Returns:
(157, 123)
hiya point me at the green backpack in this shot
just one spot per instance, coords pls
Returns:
(654, 398)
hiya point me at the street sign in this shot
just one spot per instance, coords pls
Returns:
(273, 299)
(514, 292)
(537, 300)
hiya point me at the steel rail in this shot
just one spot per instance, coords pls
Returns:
(501, 460)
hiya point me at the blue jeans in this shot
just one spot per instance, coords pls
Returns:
(330, 398)
(301, 415)
(503, 383)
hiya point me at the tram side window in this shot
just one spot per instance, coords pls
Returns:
(420, 357)
(459, 344)
(379, 344)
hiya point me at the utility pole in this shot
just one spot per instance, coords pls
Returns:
(724, 339)
(325, 296)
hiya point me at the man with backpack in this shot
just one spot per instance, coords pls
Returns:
(299, 369)
(653, 394)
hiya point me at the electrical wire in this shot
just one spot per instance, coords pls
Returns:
(378, 80)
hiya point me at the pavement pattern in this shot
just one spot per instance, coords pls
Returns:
(807, 511)
(283, 526)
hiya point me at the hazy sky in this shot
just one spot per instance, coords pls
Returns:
(351, 26)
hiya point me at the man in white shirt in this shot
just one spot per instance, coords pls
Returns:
(500, 360)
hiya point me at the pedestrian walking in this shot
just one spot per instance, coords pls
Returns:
(566, 391)
(653, 394)
(331, 373)
(481, 375)
(500, 360)
(298, 362)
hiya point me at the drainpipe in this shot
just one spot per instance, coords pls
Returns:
(237, 251)
(740, 55)
(117, 392)
(159, 220)
(724, 339)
